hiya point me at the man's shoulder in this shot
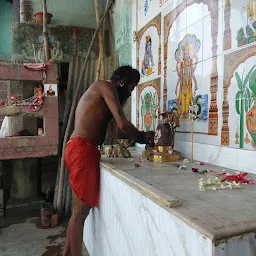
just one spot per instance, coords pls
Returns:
(105, 83)
(104, 86)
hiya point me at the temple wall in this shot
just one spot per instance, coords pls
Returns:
(201, 52)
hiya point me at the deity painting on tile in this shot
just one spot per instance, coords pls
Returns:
(149, 50)
(186, 87)
(148, 100)
(147, 62)
(239, 23)
(186, 63)
(247, 32)
(190, 64)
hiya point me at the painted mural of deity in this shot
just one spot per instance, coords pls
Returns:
(247, 34)
(148, 111)
(147, 62)
(186, 56)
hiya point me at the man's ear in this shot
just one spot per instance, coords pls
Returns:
(122, 82)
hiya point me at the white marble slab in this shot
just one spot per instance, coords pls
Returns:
(128, 223)
(132, 222)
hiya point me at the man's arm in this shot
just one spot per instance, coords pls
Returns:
(110, 96)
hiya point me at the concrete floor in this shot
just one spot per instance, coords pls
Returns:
(20, 231)
(22, 235)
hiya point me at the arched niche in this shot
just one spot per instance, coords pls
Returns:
(168, 23)
(155, 22)
(231, 62)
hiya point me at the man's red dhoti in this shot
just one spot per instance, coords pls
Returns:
(82, 158)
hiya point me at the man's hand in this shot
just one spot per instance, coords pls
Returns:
(146, 138)
(150, 138)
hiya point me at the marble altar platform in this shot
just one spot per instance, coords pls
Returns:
(158, 210)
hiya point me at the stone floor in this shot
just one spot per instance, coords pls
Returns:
(20, 231)
(22, 235)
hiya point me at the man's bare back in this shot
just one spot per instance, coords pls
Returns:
(92, 114)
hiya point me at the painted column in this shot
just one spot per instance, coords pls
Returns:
(213, 111)
(225, 104)
(225, 115)
(227, 31)
(165, 74)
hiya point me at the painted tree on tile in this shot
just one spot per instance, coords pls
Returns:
(251, 115)
(243, 101)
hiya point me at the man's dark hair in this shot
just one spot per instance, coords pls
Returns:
(127, 73)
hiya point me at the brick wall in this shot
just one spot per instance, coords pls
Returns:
(3, 94)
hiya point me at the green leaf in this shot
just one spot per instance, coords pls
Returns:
(243, 76)
(239, 81)
(154, 98)
(247, 93)
(238, 95)
(151, 99)
(248, 76)
(246, 105)
(238, 102)
(248, 101)
(252, 81)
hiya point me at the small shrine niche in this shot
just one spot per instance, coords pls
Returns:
(30, 112)
(30, 96)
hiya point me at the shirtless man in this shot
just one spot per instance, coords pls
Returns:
(102, 101)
